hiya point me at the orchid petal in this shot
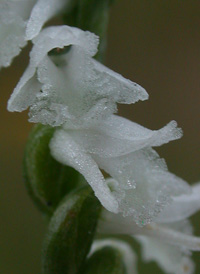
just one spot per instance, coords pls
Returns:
(47, 108)
(143, 184)
(93, 76)
(182, 206)
(122, 128)
(168, 245)
(178, 233)
(58, 103)
(94, 85)
(12, 29)
(13, 16)
(66, 151)
(21, 7)
(116, 136)
(171, 260)
(115, 224)
(25, 92)
(41, 13)
(173, 236)
(123, 90)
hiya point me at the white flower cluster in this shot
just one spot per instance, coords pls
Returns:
(65, 87)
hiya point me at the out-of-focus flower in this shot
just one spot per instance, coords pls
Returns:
(168, 240)
(64, 86)
(22, 20)
(127, 253)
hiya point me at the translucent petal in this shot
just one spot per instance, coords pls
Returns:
(41, 13)
(59, 102)
(116, 136)
(178, 234)
(66, 151)
(12, 33)
(13, 23)
(117, 224)
(48, 107)
(171, 259)
(182, 207)
(129, 256)
(21, 7)
(123, 90)
(25, 92)
(144, 186)
(98, 80)
(121, 128)
(101, 109)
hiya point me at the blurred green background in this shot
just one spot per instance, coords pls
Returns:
(154, 43)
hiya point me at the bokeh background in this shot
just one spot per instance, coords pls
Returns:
(154, 43)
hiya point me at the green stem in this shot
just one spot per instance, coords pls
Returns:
(92, 15)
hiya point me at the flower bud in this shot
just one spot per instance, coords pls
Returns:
(70, 233)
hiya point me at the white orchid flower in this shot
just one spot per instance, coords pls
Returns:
(22, 20)
(71, 87)
(168, 240)
(128, 255)
(75, 92)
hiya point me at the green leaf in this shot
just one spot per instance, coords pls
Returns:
(107, 260)
(70, 233)
(47, 180)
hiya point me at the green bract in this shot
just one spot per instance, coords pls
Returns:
(70, 233)
(46, 179)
